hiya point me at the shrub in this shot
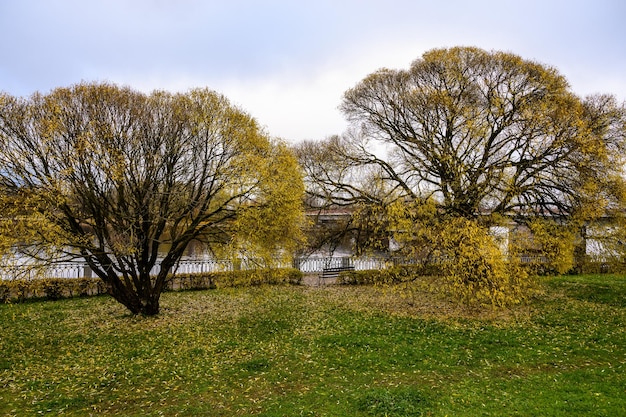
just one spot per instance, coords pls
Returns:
(476, 271)
(22, 290)
(394, 275)
(557, 243)
(470, 263)
(185, 282)
(19, 290)
(52, 288)
(5, 291)
(87, 286)
(235, 278)
(257, 277)
(56, 288)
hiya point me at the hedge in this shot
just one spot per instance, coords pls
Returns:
(49, 288)
(56, 288)
(395, 275)
(244, 278)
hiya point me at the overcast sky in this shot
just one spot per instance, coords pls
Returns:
(288, 62)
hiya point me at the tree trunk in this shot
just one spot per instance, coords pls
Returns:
(147, 305)
(151, 306)
(144, 301)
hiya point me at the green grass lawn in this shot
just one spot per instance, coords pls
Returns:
(334, 351)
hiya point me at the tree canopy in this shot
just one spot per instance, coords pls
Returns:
(475, 138)
(127, 181)
(484, 133)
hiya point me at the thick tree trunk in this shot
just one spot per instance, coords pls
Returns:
(141, 296)
(151, 306)
(144, 304)
(144, 300)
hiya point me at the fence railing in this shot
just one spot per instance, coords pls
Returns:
(309, 265)
(318, 264)
(57, 270)
(79, 269)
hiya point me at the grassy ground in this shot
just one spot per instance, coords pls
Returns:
(334, 351)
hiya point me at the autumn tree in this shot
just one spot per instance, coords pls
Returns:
(487, 133)
(126, 181)
(463, 140)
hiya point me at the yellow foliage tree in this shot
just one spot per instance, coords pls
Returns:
(483, 136)
(556, 244)
(127, 181)
(472, 266)
(487, 133)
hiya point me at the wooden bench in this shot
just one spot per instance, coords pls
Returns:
(333, 273)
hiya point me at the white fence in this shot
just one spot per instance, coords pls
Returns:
(318, 264)
(308, 265)
(193, 266)
(79, 269)
(57, 270)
